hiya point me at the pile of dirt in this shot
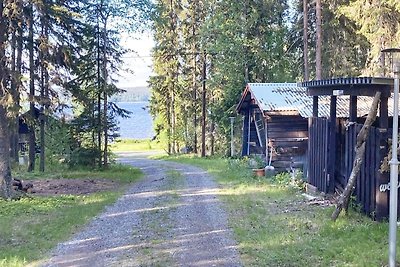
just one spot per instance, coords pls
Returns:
(70, 186)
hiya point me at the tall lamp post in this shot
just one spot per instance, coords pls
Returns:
(232, 148)
(394, 162)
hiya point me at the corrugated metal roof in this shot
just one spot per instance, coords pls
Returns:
(290, 96)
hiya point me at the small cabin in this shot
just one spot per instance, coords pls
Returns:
(275, 123)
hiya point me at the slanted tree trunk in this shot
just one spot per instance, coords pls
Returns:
(358, 160)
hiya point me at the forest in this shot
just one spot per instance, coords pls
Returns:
(64, 54)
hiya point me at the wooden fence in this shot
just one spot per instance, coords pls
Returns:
(368, 192)
(367, 180)
(318, 153)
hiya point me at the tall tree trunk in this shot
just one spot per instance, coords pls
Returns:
(305, 40)
(5, 172)
(15, 96)
(18, 85)
(105, 100)
(43, 86)
(194, 80)
(203, 108)
(358, 159)
(32, 141)
(99, 124)
(318, 50)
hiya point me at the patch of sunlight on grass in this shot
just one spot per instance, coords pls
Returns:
(127, 145)
(274, 226)
(32, 226)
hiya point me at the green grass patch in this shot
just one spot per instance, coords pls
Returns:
(274, 225)
(116, 172)
(126, 145)
(31, 226)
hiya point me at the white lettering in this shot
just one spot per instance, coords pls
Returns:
(386, 187)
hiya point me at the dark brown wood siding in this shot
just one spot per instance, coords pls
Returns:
(287, 136)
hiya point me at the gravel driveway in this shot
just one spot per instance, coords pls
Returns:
(171, 218)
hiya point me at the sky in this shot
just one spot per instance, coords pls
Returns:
(139, 62)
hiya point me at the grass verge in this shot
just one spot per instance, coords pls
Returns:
(128, 145)
(31, 226)
(117, 172)
(274, 225)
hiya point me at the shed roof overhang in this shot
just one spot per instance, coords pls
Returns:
(353, 86)
(248, 100)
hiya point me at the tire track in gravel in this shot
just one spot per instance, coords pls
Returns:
(171, 218)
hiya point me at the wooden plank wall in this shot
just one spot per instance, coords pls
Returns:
(318, 153)
(288, 136)
(367, 185)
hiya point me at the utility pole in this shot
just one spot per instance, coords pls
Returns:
(203, 107)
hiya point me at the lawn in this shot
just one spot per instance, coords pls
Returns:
(31, 226)
(275, 226)
(128, 145)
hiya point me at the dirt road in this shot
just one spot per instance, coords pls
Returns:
(171, 218)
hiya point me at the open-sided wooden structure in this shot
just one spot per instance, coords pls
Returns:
(332, 140)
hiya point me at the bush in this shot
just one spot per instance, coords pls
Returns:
(83, 156)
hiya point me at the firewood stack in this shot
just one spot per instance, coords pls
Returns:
(18, 184)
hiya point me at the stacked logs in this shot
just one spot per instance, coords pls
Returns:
(19, 185)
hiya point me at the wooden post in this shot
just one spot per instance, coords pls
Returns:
(382, 196)
(245, 132)
(353, 108)
(315, 107)
(383, 113)
(332, 146)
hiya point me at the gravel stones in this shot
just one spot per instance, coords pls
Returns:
(171, 218)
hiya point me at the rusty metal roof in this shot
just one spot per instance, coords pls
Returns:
(272, 97)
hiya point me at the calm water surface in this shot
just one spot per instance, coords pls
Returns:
(140, 123)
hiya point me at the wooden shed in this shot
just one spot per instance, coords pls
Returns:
(275, 123)
(332, 140)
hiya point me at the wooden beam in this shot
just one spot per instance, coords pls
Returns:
(245, 133)
(383, 113)
(353, 109)
(315, 107)
(332, 145)
(354, 90)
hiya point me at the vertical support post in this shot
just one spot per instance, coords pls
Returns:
(249, 133)
(383, 112)
(267, 159)
(332, 145)
(394, 171)
(315, 106)
(232, 148)
(353, 108)
(245, 133)
(382, 197)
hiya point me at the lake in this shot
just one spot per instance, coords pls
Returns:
(140, 123)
